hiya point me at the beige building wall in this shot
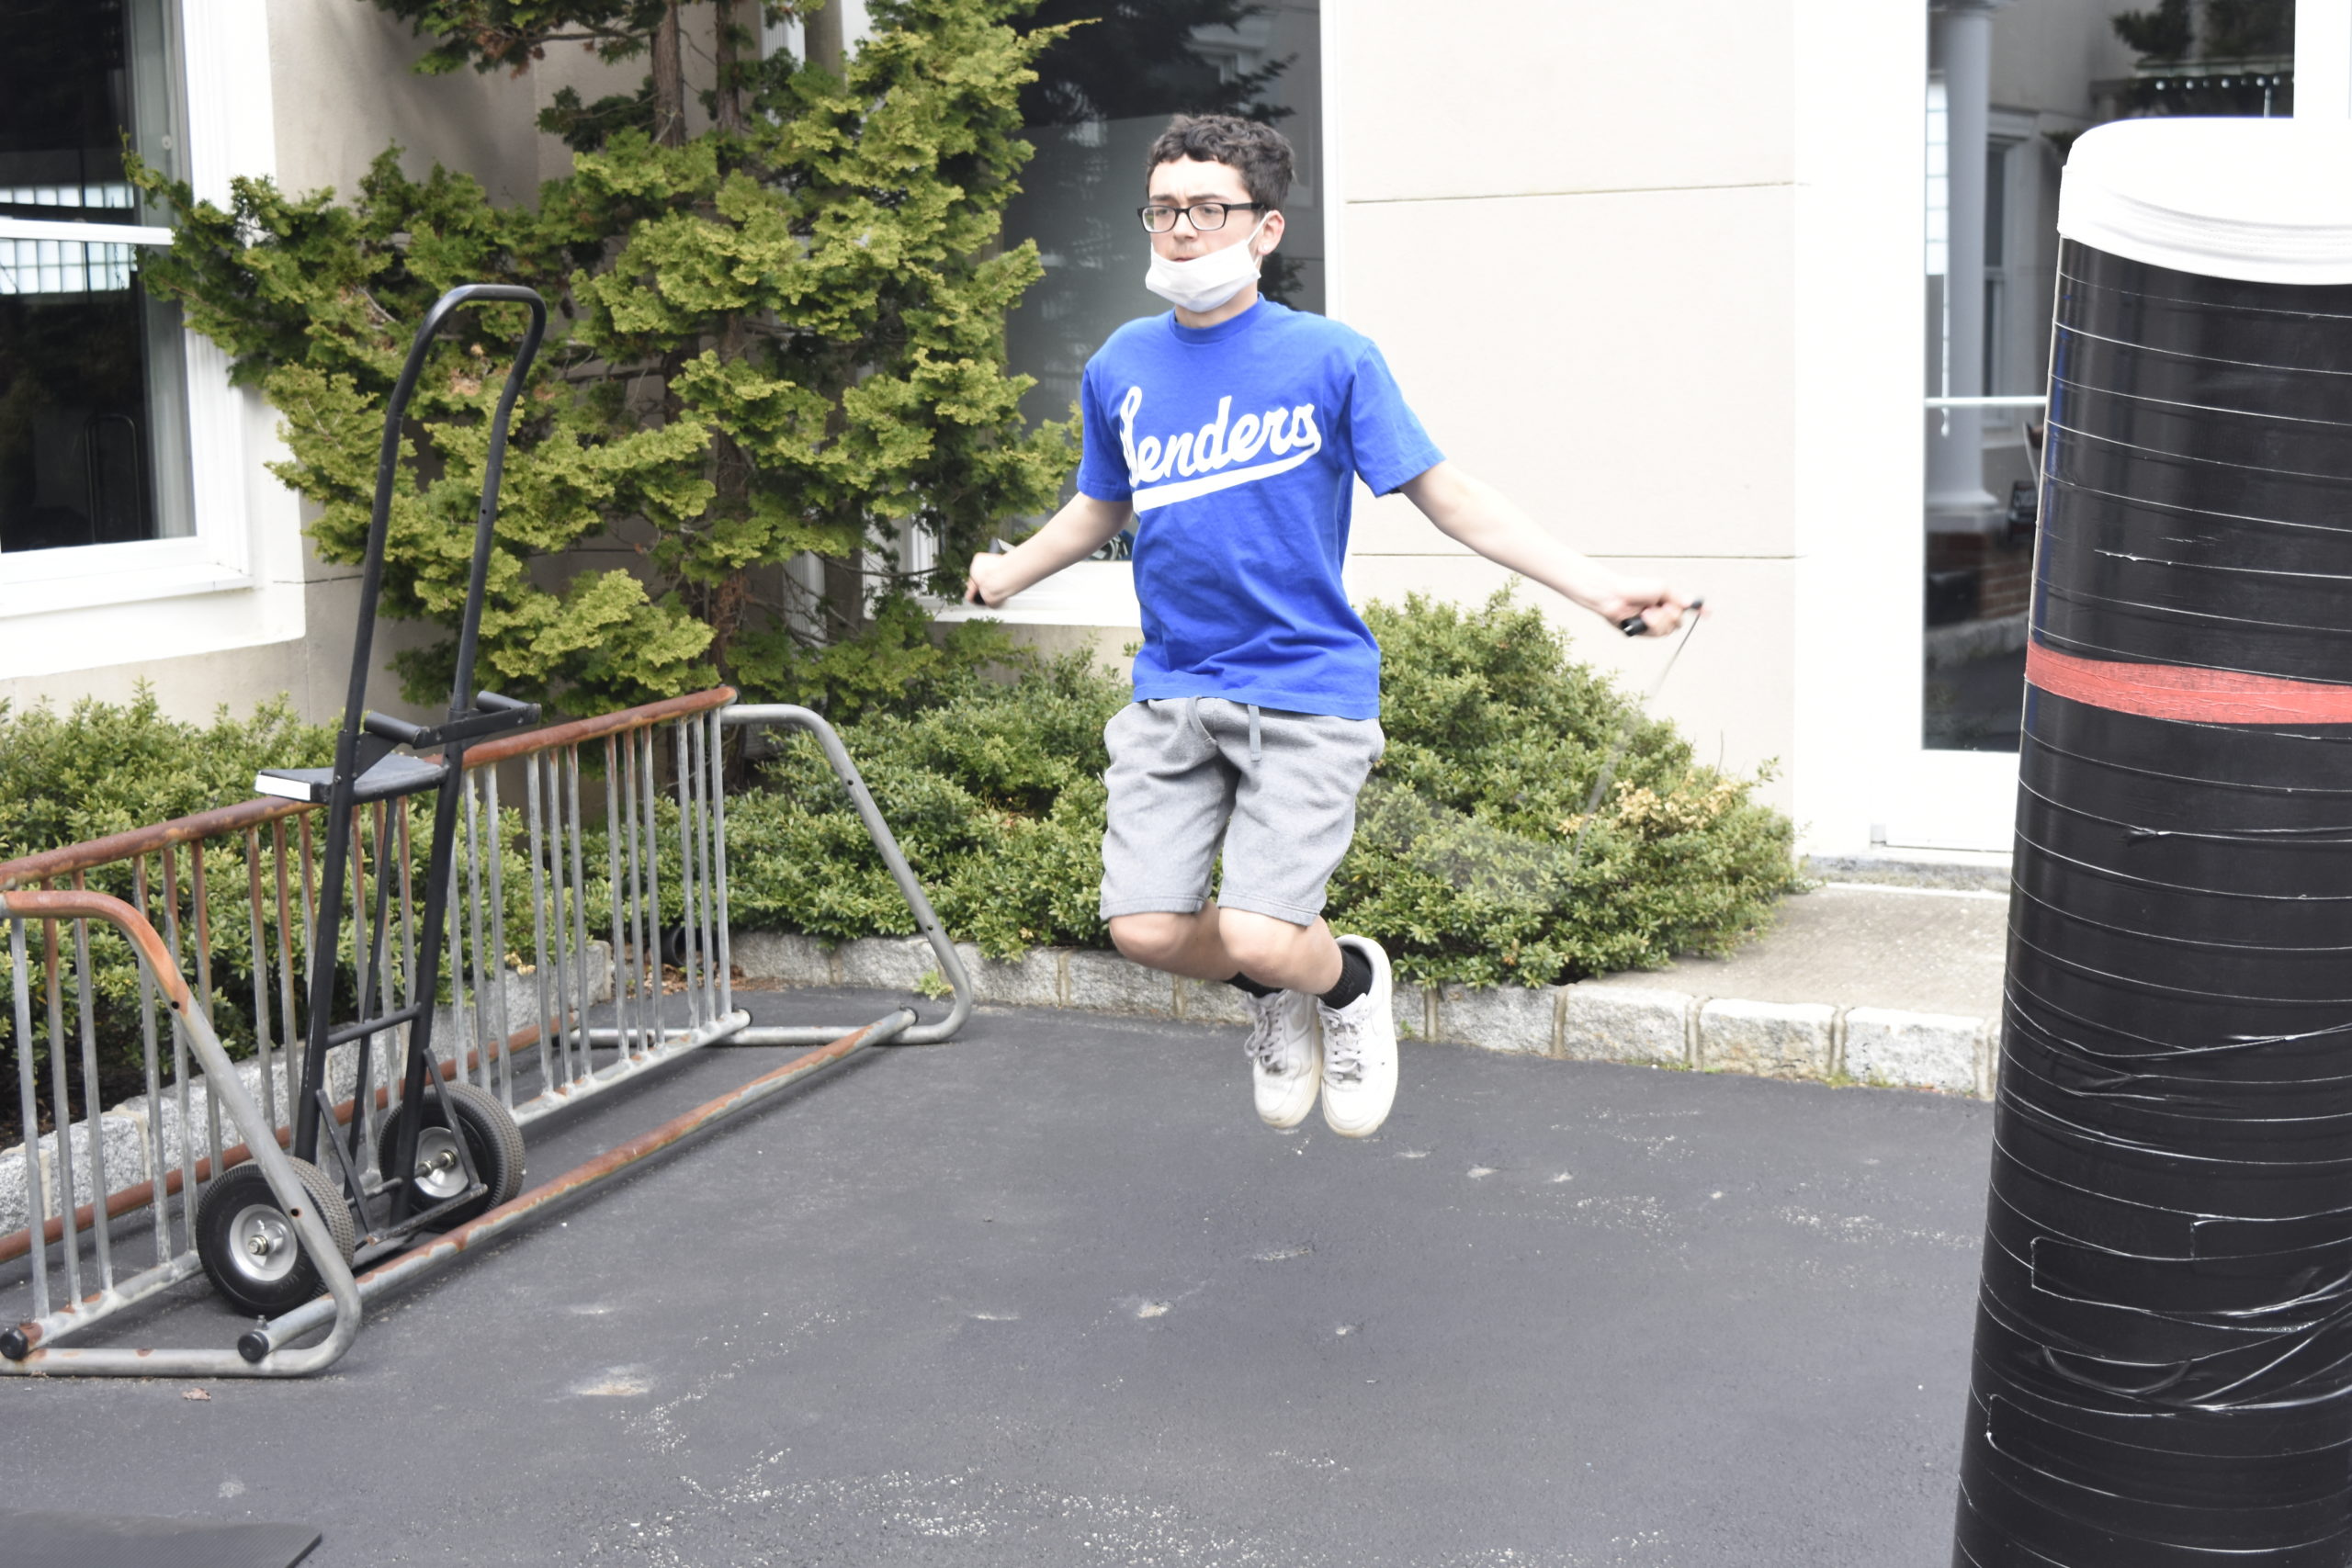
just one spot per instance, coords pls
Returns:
(341, 76)
(1570, 229)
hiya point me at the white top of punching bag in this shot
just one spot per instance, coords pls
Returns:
(2266, 200)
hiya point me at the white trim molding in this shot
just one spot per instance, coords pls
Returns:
(1331, 179)
(235, 579)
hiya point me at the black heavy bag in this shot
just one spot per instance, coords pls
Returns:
(2163, 1371)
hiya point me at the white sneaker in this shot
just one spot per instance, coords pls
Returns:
(1284, 1067)
(1360, 1052)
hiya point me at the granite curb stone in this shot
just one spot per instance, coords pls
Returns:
(1879, 1047)
(1770, 1039)
(1929, 1050)
(782, 958)
(14, 1215)
(887, 963)
(1104, 982)
(1031, 980)
(1504, 1018)
(1626, 1023)
(1211, 1001)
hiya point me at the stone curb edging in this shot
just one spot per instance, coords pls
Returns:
(1882, 1047)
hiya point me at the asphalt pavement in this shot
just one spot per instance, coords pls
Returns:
(1051, 1295)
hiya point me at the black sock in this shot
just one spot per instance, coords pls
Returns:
(1355, 978)
(1243, 983)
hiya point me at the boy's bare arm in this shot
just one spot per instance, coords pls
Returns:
(1071, 535)
(1475, 513)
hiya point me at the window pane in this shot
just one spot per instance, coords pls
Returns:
(2009, 91)
(93, 431)
(80, 452)
(1103, 94)
(77, 77)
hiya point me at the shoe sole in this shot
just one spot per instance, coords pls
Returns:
(1284, 1124)
(1364, 1131)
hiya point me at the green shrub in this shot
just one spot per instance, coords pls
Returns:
(105, 769)
(995, 795)
(782, 334)
(1462, 864)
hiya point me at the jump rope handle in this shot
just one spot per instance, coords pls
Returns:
(1634, 626)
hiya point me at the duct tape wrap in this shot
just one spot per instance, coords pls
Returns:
(2163, 1369)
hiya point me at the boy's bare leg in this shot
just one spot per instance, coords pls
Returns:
(1216, 944)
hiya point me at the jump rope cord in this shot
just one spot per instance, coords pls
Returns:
(1624, 736)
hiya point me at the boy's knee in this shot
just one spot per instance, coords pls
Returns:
(1151, 940)
(1259, 944)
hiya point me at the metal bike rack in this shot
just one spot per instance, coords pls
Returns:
(80, 1309)
(942, 948)
(334, 1116)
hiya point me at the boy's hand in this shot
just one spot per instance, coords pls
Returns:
(985, 585)
(1082, 526)
(1642, 606)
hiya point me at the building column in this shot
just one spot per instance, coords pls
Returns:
(1957, 499)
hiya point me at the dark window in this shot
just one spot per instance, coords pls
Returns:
(1102, 95)
(92, 443)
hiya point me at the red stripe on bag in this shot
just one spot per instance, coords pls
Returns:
(2200, 696)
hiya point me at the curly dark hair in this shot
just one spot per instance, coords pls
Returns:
(1260, 154)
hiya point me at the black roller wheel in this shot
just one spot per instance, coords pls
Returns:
(248, 1245)
(493, 1143)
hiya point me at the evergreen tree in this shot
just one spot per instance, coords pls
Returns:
(782, 335)
(2165, 33)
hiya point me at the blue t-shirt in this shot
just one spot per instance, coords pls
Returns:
(1238, 445)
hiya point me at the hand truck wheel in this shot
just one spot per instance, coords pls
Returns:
(249, 1247)
(493, 1143)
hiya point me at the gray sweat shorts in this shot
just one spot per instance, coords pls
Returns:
(1277, 789)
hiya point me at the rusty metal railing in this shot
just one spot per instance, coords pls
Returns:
(587, 944)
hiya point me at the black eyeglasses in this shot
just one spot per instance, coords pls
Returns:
(1207, 216)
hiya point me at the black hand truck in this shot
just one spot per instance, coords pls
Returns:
(449, 1150)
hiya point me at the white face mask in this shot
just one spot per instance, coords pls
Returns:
(1208, 280)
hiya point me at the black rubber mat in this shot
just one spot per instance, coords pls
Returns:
(94, 1541)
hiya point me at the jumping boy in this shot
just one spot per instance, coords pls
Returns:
(1230, 435)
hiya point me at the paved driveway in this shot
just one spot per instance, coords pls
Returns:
(1052, 1296)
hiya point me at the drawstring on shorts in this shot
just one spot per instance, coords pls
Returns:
(1193, 717)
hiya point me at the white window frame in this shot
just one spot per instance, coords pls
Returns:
(230, 130)
(2012, 137)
